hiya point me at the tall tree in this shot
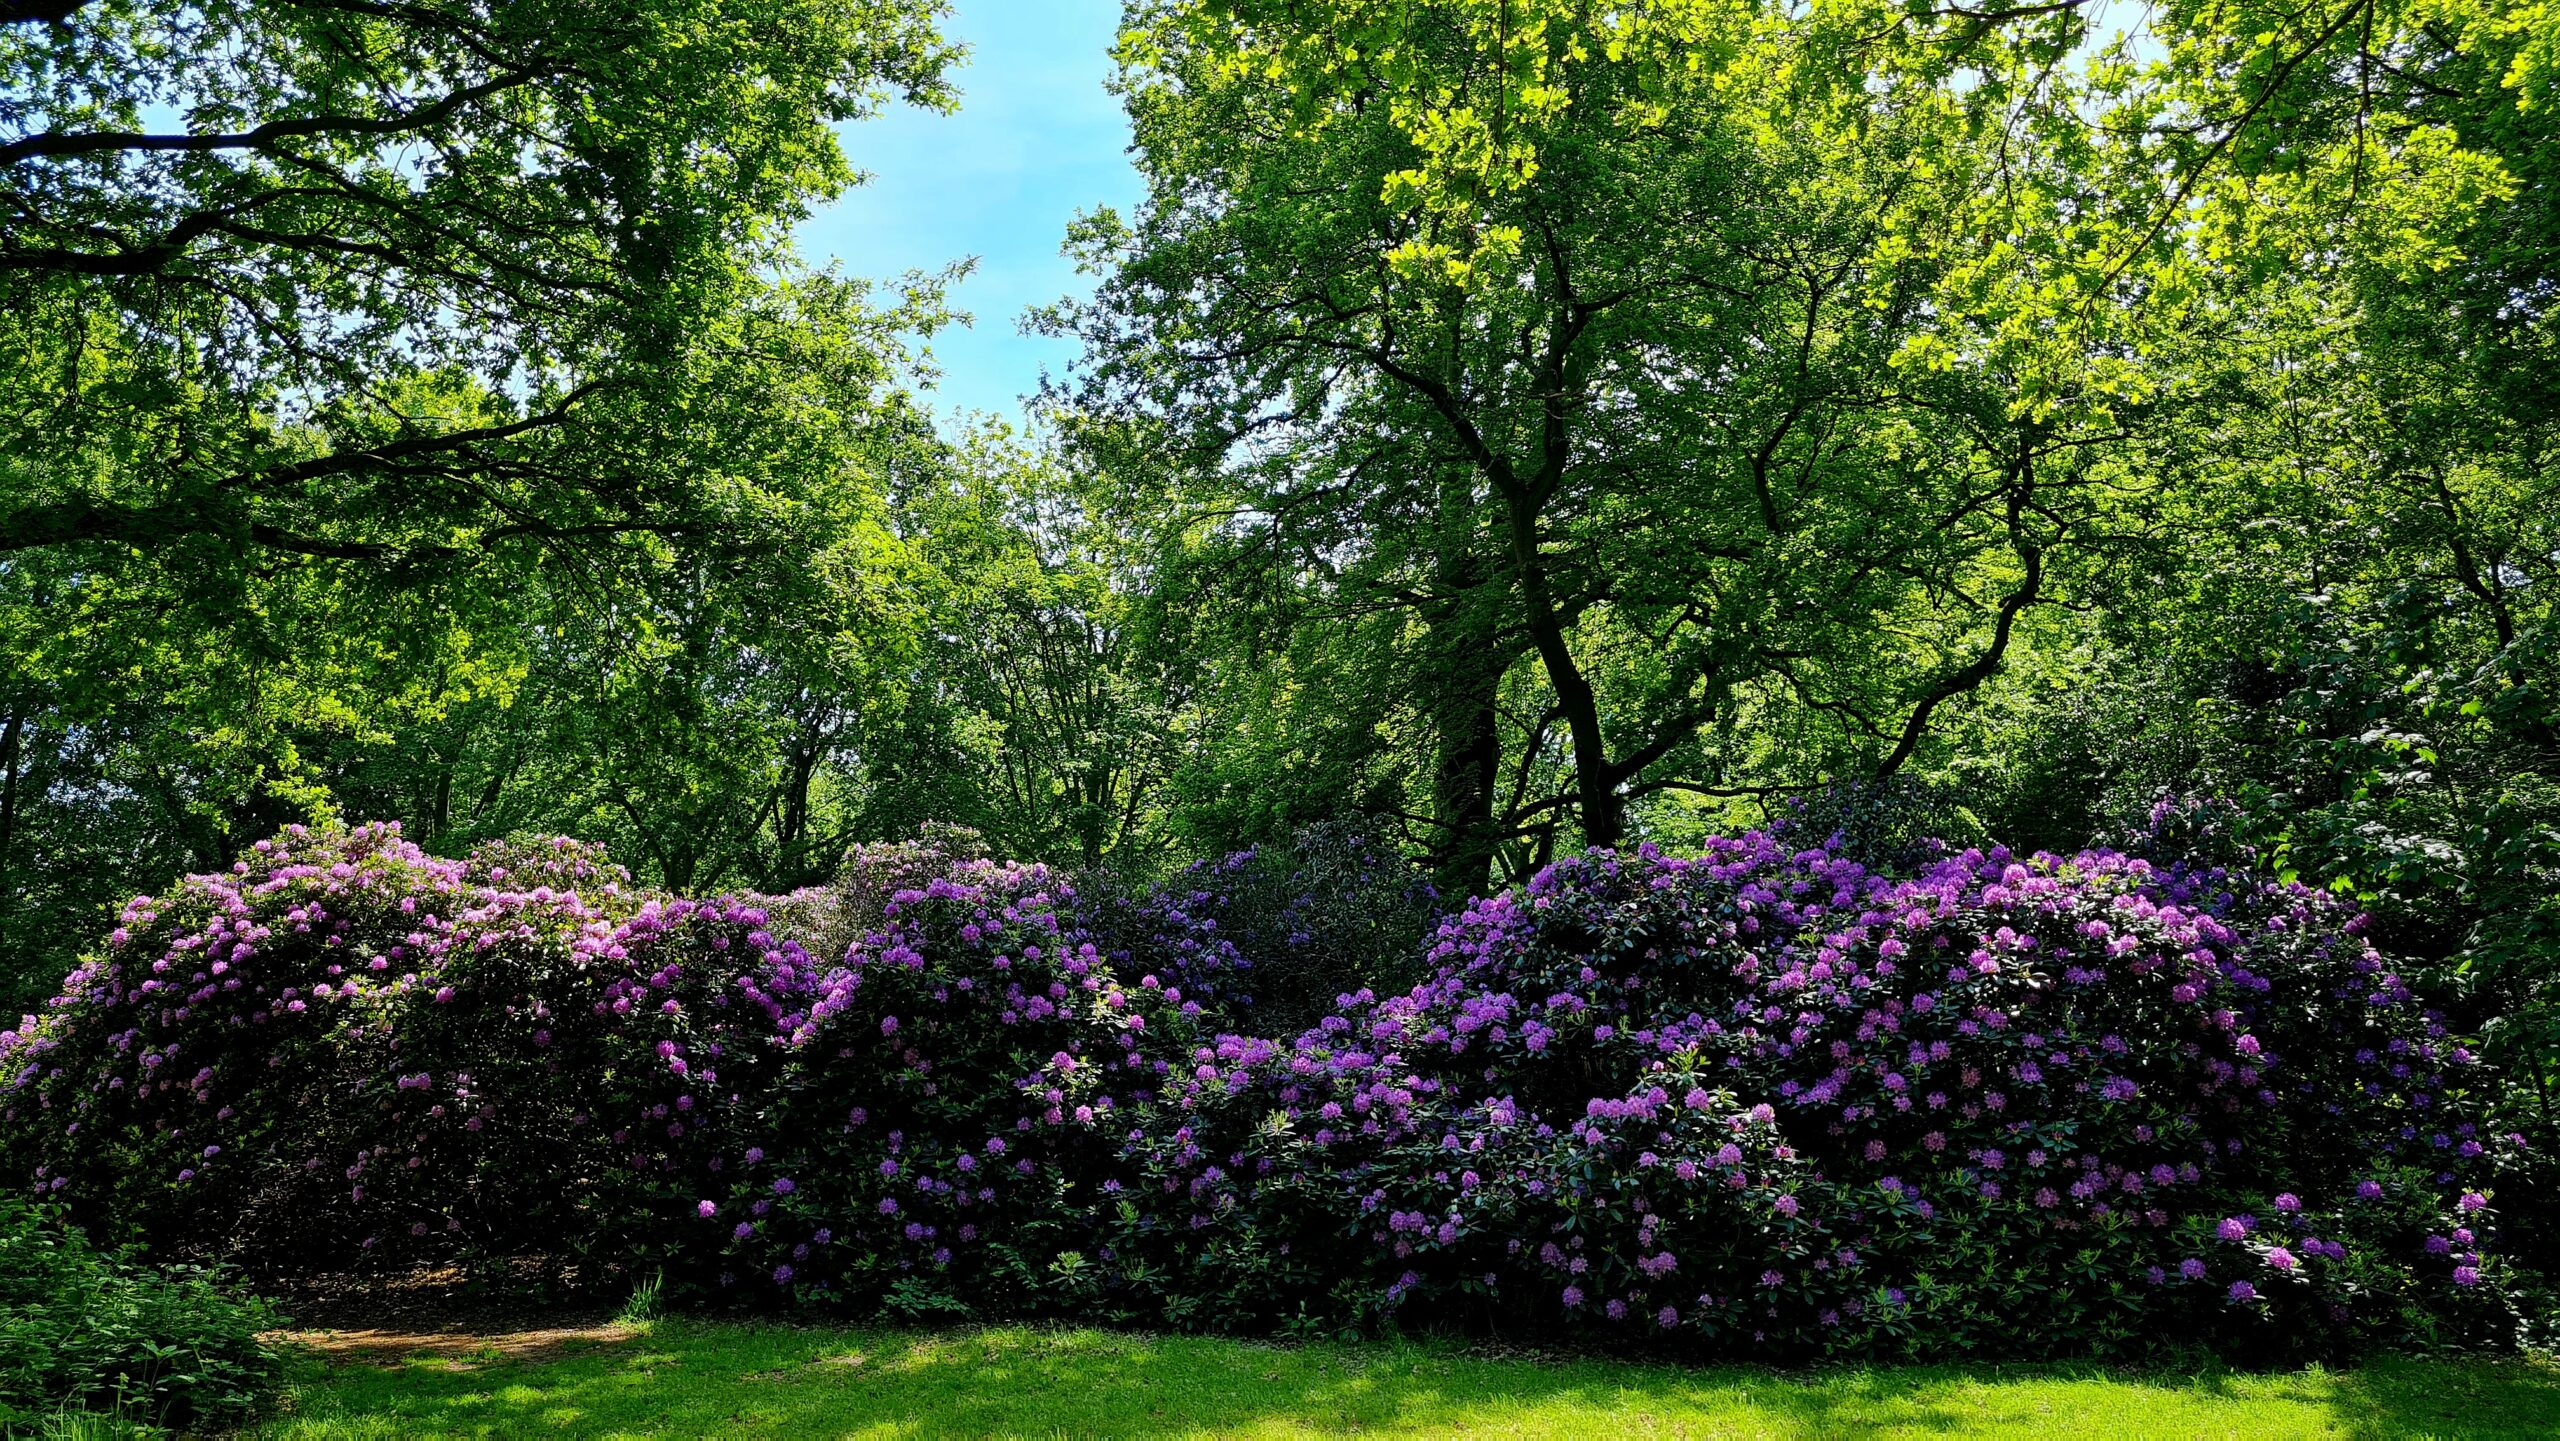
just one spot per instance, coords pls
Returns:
(234, 231)
(1631, 345)
(1034, 655)
(352, 355)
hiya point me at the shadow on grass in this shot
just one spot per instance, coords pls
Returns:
(2399, 1396)
(684, 1380)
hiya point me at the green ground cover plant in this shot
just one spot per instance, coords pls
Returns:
(691, 1380)
(85, 1330)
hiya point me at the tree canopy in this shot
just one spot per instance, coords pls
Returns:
(366, 368)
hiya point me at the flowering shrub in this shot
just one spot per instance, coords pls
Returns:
(932, 1132)
(2076, 1100)
(1761, 1100)
(345, 1047)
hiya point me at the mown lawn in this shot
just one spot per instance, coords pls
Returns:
(677, 1379)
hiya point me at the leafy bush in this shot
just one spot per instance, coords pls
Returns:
(2013, 1104)
(1761, 1101)
(346, 1049)
(85, 1330)
(1899, 824)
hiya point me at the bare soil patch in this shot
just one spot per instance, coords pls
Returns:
(438, 1313)
(389, 1346)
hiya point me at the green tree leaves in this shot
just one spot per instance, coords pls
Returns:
(366, 369)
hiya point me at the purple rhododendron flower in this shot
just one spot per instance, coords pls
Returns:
(1653, 1049)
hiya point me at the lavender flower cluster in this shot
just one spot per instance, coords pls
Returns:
(1757, 1101)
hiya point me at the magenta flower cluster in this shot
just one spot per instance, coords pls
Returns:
(1755, 1101)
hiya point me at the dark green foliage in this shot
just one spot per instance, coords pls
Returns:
(1273, 936)
(90, 1330)
(1897, 824)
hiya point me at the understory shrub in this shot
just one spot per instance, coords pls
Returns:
(1760, 1101)
(85, 1330)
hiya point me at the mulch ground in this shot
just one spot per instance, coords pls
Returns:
(386, 1319)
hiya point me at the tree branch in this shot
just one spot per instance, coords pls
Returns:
(88, 519)
(1957, 682)
(56, 144)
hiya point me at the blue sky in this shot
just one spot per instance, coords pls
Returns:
(1035, 140)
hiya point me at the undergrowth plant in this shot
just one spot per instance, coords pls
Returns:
(86, 1333)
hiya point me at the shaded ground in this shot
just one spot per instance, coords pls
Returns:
(694, 1379)
(528, 1295)
(394, 1347)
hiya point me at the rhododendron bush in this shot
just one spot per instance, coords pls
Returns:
(1756, 1101)
(347, 1047)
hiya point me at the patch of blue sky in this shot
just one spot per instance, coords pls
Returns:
(1036, 139)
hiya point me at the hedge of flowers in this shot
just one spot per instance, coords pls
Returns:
(1758, 1101)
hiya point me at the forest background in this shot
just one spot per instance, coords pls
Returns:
(1503, 425)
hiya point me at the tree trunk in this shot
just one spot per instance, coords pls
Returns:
(1469, 755)
(1464, 665)
(12, 746)
(1595, 782)
(440, 809)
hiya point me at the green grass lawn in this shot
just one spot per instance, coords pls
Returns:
(678, 1379)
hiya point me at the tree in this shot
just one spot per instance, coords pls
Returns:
(1034, 659)
(217, 318)
(1640, 347)
(2363, 648)
(2351, 641)
(366, 369)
